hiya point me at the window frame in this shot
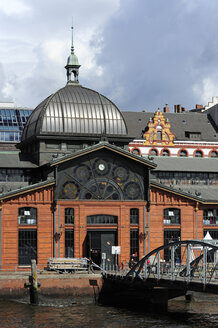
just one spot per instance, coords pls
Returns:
(69, 217)
(134, 215)
(168, 217)
(32, 217)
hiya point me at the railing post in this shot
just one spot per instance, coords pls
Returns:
(188, 264)
(158, 265)
(173, 262)
(145, 270)
(205, 266)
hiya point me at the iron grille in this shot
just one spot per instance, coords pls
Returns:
(27, 246)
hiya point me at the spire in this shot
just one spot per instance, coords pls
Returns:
(72, 65)
(72, 47)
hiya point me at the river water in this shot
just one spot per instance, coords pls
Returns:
(202, 312)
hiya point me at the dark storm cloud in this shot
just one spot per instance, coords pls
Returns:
(160, 52)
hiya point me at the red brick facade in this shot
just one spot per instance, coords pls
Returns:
(42, 199)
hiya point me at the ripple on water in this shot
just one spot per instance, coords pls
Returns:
(69, 312)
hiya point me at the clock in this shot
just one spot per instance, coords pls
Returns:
(71, 190)
(101, 167)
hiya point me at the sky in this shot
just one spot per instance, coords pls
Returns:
(141, 54)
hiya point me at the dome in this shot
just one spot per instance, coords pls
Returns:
(75, 111)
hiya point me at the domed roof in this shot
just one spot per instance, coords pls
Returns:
(75, 110)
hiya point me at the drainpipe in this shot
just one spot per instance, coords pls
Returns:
(59, 230)
(148, 211)
(54, 228)
(0, 236)
(54, 210)
(148, 225)
(196, 223)
(196, 220)
(144, 229)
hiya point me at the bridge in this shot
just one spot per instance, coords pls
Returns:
(166, 272)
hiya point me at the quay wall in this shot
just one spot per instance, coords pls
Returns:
(76, 285)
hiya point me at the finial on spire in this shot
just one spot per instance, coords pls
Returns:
(72, 47)
(72, 65)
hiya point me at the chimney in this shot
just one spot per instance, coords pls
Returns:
(166, 109)
(177, 108)
(198, 106)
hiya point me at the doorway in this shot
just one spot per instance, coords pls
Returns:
(100, 244)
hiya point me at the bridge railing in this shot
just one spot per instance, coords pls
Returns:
(190, 261)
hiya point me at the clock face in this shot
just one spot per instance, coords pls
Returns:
(71, 190)
(101, 167)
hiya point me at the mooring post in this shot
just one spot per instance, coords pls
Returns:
(33, 284)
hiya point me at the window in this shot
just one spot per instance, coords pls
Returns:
(213, 154)
(165, 152)
(69, 243)
(171, 216)
(27, 246)
(27, 215)
(159, 135)
(169, 237)
(135, 152)
(134, 244)
(210, 216)
(213, 233)
(101, 219)
(134, 216)
(198, 153)
(183, 153)
(153, 152)
(69, 215)
(193, 135)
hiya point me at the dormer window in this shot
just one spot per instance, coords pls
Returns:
(193, 135)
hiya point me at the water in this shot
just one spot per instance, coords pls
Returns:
(84, 313)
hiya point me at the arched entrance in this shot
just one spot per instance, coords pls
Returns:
(101, 236)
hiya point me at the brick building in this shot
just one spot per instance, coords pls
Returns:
(74, 189)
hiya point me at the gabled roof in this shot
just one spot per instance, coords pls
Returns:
(27, 189)
(103, 145)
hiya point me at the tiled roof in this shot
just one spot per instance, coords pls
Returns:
(186, 164)
(180, 123)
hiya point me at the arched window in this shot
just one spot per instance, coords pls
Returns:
(153, 152)
(213, 154)
(69, 215)
(159, 135)
(183, 153)
(165, 152)
(198, 153)
(172, 216)
(135, 152)
(27, 215)
(134, 216)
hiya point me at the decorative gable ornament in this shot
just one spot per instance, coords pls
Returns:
(159, 132)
